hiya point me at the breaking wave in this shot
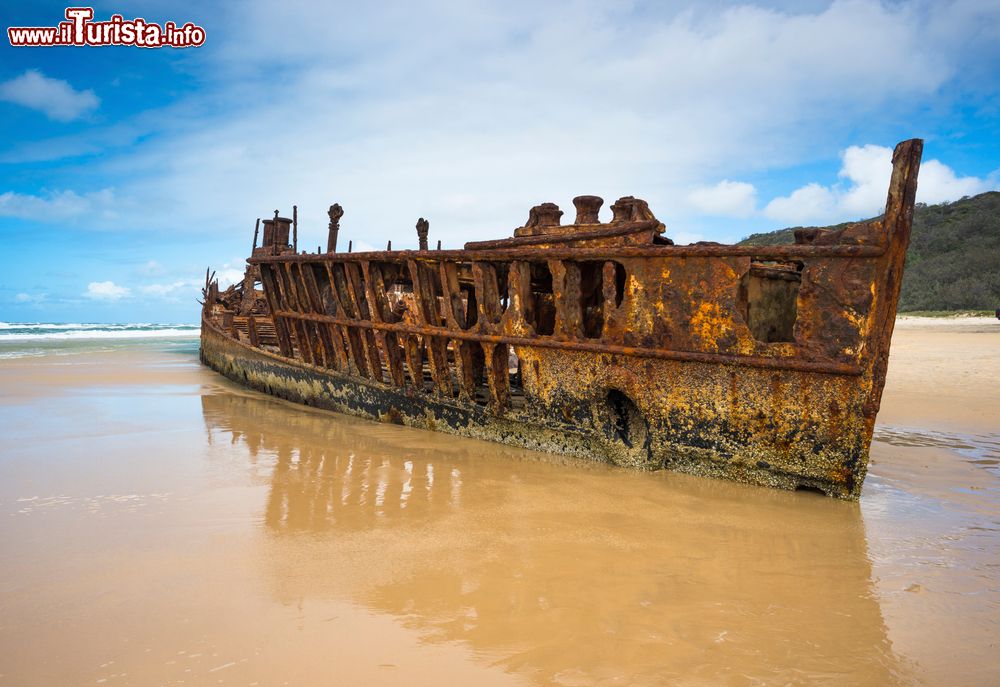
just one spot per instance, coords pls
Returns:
(42, 331)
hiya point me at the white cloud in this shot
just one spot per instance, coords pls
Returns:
(58, 205)
(106, 291)
(469, 114)
(939, 183)
(228, 274)
(152, 268)
(182, 289)
(867, 170)
(229, 277)
(185, 289)
(727, 198)
(365, 247)
(30, 298)
(683, 237)
(55, 97)
(869, 167)
(803, 205)
(168, 290)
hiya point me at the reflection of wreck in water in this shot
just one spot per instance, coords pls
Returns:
(578, 576)
(763, 364)
(354, 477)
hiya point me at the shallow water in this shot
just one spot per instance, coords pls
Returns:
(979, 449)
(162, 526)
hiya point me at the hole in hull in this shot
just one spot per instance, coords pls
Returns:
(627, 424)
(620, 278)
(592, 298)
(810, 489)
(768, 300)
(542, 311)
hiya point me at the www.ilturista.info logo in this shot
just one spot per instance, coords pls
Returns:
(80, 29)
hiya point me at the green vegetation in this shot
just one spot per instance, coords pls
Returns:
(954, 258)
(778, 237)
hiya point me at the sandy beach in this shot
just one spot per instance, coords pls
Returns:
(162, 526)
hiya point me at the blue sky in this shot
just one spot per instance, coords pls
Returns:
(124, 172)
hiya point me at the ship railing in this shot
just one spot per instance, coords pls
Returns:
(464, 312)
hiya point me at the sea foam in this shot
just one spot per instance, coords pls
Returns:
(42, 331)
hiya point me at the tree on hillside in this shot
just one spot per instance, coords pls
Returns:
(953, 262)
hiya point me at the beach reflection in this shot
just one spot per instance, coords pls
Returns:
(561, 574)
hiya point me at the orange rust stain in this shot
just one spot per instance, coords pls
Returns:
(708, 324)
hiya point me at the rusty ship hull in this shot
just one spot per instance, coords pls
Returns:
(763, 365)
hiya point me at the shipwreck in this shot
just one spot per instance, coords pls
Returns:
(761, 364)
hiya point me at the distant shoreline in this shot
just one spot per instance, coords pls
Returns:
(948, 314)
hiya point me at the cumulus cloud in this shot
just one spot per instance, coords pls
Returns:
(939, 183)
(469, 114)
(55, 97)
(807, 203)
(228, 276)
(866, 171)
(57, 205)
(727, 198)
(869, 167)
(106, 291)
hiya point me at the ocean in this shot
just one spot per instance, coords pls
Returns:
(28, 339)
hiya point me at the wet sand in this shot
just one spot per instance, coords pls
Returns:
(159, 525)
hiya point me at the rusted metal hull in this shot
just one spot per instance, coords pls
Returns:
(763, 365)
(696, 435)
(302, 383)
